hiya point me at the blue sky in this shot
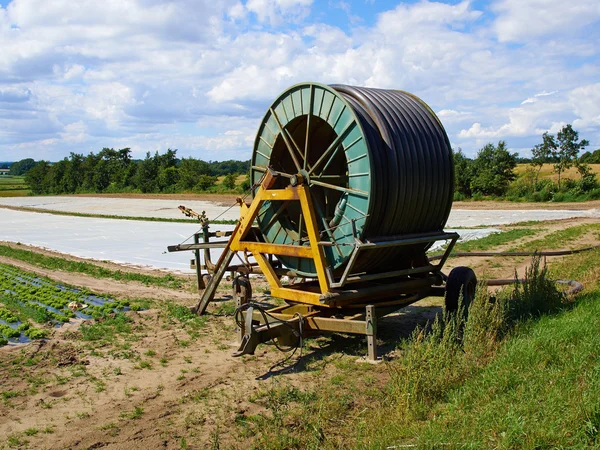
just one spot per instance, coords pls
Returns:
(198, 76)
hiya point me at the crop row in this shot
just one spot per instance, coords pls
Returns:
(25, 296)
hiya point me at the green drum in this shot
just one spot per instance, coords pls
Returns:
(378, 164)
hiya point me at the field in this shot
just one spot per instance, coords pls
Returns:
(13, 186)
(547, 171)
(135, 368)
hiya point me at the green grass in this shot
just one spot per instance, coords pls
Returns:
(56, 263)
(495, 240)
(522, 372)
(561, 239)
(541, 391)
(13, 186)
(107, 329)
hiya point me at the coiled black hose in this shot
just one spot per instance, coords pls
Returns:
(412, 169)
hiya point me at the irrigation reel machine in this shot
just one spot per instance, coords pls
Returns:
(351, 187)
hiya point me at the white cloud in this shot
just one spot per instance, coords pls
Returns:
(535, 97)
(519, 20)
(198, 76)
(275, 12)
(585, 101)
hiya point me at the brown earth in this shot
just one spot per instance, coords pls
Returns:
(220, 199)
(167, 384)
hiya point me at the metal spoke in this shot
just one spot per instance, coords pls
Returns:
(339, 188)
(334, 146)
(307, 139)
(284, 136)
(300, 228)
(296, 147)
(275, 216)
(321, 214)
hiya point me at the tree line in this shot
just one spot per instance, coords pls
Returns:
(492, 172)
(115, 171)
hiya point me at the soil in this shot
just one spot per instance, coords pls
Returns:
(220, 199)
(163, 386)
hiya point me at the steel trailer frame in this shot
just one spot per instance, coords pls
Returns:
(350, 304)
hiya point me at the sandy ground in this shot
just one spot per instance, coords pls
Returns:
(162, 385)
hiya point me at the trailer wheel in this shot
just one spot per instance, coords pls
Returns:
(206, 279)
(460, 288)
(242, 288)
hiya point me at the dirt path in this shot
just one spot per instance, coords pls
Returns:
(220, 199)
(121, 289)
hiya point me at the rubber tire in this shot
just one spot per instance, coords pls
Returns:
(461, 281)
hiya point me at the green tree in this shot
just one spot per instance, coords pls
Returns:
(229, 181)
(542, 153)
(167, 178)
(190, 171)
(569, 145)
(493, 170)
(590, 157)
(21, 167)
(35, 177)
(463, 173)
(147, 173)
(73, 177)
(205, 182)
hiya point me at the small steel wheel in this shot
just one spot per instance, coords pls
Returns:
(460, 288)
(242, 288)
(206, 279)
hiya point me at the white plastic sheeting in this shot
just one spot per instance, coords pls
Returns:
(123, 241)
(131, 207)
(163, 208)
(145, 243)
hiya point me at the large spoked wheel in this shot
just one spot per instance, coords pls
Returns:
(460, 289)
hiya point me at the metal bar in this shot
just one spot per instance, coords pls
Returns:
(305, 163)
(198, 246)
(371, 332)
(447, 253)
(395, 273)
(344, 325)
(309, 115)
(401, 241)
(275, 216)
(296, 295)
(380, 290)
(205, 239)
(349, 266)
(312, 230)
(333, 146)
(199, 281)
(209, 293)
(339, 188)
(275, 249)
(287, 144)
(326, 228)
(267, 270)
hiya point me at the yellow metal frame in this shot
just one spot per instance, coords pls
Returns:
(260, 249)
